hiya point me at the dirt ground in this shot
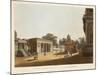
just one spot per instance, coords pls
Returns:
(52, 59)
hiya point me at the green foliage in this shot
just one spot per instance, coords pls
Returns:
(51, 37)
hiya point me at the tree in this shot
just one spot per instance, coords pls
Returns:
(82, 43)
(77, 43)
(62, 41)
(52, 38)
(15, 35)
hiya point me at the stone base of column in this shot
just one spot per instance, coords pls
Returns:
(88, 50)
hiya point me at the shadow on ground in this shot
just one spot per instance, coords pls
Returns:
(72, 60)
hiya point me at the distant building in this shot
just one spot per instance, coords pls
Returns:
(39, 46)
(88, 30)
(70, 46)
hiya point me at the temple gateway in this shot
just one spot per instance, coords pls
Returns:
(88, 30)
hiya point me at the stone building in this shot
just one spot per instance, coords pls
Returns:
(70, 46)
(22, 48)
(39, 46)
(88, 30)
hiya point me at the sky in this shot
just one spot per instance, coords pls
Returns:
(37, 19)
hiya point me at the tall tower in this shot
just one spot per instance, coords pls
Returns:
(88, 30)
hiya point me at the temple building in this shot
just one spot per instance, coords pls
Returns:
(88, 30)
(21, 47)
(40, 46)
(32, 46)
(70, 46)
